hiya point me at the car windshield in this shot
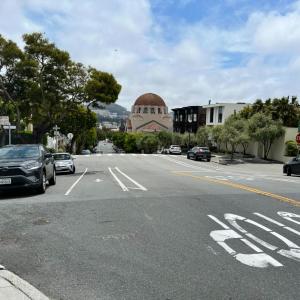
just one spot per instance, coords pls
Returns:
(19, 152)
(62, 156)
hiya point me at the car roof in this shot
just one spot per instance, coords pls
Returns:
(22, 145)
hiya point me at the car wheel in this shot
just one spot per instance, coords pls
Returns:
(208, 159)
(42, 188)
(288, 171)
(52, 181)
(188, 156)
(74, 169)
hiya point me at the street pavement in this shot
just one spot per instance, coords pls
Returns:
(138, 226)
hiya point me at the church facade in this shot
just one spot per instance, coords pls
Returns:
(149, 113)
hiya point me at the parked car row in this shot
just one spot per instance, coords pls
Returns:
(31, 166)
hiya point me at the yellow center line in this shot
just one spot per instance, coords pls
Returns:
(241, 187)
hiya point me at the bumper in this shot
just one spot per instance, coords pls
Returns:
(201, 156)
(20, 181)
(175, 152)
(61, 169)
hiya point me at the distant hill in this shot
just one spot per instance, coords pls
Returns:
(116, 108)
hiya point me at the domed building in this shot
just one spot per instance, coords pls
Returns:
(149, 113)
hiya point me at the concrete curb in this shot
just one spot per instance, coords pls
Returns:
(21, 285)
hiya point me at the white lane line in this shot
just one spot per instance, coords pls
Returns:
(133, 154)
(121, 184)
(122, 154)
(133, 181)
(99, 154)
(109, 154)
(144, 154)
(277, 223)
(73, 185)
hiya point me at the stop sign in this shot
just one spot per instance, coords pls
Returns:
(298, 138)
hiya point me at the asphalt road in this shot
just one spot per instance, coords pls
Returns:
(157, 227)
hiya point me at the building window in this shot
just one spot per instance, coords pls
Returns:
(165, 110)
(145, 111)
(220, 114)
(180, 118)
(195, 117)
(152, 110)
(176, 117)
(159, 110)
(211, 116)
(189, 118)
(139, 110)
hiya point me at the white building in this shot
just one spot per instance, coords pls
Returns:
(216, 114)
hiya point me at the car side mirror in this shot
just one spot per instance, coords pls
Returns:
(48, 155)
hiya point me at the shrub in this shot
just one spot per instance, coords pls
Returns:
(291, 148)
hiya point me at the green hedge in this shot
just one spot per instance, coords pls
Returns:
(291, 148)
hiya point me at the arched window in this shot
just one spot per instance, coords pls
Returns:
(139, 110)
(152, 110)
(145, 111)
(159, 110)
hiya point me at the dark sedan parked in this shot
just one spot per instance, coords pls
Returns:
(292, 166)
(198, 153)
(26, 166)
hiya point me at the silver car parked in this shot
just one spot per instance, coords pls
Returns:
(64, 162)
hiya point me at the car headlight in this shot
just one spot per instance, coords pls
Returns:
(31, 165)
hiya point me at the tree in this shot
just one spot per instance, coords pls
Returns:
(217, 134)
(203, 136)
(101, 87)
(147, 143)
(265, 130)
(177, 139)
(164, 139)
(81, 122)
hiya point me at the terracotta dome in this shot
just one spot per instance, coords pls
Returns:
(150, 99)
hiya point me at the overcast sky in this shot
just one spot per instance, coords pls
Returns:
(187, 51)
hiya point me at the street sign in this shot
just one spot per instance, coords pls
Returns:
(4, 120)
(70, 135)
(298, 138)
(9, 127)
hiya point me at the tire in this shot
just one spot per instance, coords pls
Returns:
(188, 157)
(208, 159)
(42, 188)
(73, 171)
(52, 181)
(288, 171)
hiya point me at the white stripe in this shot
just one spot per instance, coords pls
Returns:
(73, 185)
(144, 154)
(133, 181)
(259, 241)
(218, 221)
(133, 154)
(124, 188)
(292, 230)
(109, 154)
(285, 240)
(268, 219)
(258, 225)
(251, 245)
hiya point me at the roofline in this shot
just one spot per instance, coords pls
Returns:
(225, 104)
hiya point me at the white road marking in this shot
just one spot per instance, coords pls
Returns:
(133, 154)
(294, 250)
(74, 184)
(98, 154)
(289, 216)
(122, 185)
(268, 219)
(132, 180)
(277, 223)
(109, 154)
(144, 154)
(258, 259)
(98, 180)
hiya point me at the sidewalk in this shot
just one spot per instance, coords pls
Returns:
(12, 287)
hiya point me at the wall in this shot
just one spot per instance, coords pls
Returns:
(277, 149)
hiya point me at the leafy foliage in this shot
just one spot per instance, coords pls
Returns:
(291, 148)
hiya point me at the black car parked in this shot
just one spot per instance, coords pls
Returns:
(26, 166)
(292, 166)
(198, 153)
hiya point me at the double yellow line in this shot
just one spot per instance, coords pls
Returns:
(241, 187)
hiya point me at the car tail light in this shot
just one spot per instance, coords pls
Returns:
(200, 150)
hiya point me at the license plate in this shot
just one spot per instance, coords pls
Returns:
(5, 180)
